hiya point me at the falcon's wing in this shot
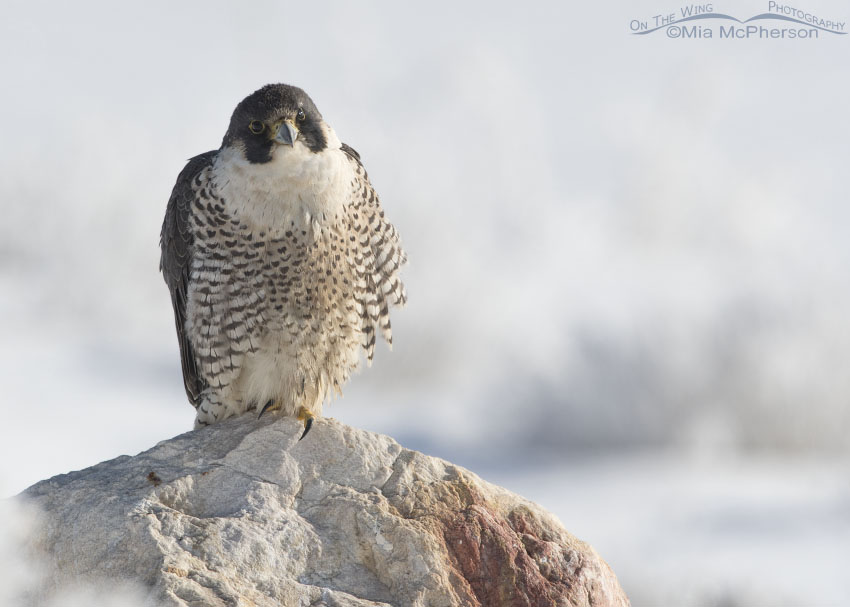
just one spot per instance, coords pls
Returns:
(378, 256)
(177, 244)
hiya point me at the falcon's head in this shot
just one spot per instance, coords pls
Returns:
(276, 118)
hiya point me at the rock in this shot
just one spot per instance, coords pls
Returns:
(242, 513)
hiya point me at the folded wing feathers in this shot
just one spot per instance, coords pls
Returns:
(380, 257)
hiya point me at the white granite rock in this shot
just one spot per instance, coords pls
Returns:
(241, 513)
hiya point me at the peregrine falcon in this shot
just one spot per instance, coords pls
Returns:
(280, 263)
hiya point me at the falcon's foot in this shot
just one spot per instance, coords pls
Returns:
(272, 405)
(306, 416)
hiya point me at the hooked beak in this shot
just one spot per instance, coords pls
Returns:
(286, 133)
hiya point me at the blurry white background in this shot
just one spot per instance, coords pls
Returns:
(630, 271)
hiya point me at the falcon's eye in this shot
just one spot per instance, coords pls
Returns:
(256, 127)
(300, 116)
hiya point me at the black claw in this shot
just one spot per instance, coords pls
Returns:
(265, 408)
(308, 423)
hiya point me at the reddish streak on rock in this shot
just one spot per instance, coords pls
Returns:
(504, 561)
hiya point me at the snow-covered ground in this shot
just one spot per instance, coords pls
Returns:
(619, 245)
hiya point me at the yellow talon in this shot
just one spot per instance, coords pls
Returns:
(272, 405)
(306, 416)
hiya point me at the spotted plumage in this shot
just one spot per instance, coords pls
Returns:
(280, 262)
